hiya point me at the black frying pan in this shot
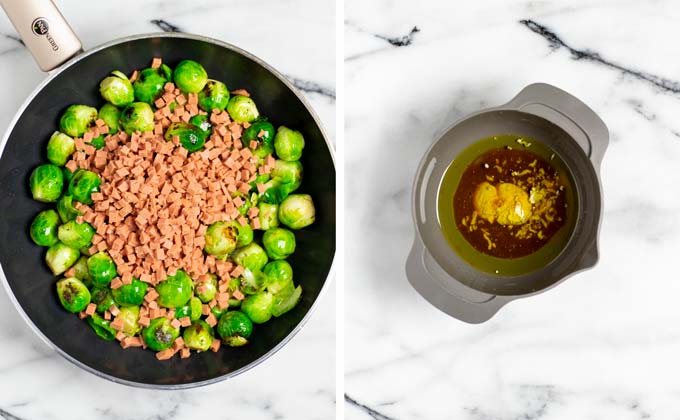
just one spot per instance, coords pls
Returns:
(29, 283)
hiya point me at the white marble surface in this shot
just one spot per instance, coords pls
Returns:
(602, 345)
(297, 382)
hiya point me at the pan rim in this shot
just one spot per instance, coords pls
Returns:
(329, 277)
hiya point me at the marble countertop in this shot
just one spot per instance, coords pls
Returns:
(602, 345)
(298, 381)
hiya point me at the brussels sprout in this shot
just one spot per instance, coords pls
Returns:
(198, 336)
(215, 310)
(191, 137)
(251, 256)
(110, 115)
(130, 317)
(67, 175)
(77, 119)
(59, 148)
(137, 116)
(265, 143)
(160, 335)
(288, 144)
(102, 269)
(289, 173)
(117, 89)
(46, 183)
(83, 184)
(76, 235)
(102, 297)
(98, 142)
(190, 76)
(149, 85)
(253, 282)
(66, 210)
(130, 294)
(193, 309)
(248, 201)
(234, 327)
(174, 291)
(214, 95)
(297, 211)
(242, 109)
(286, 300)
(208, 289)
(60, 258)
(202, 122)
(279, 243)
(258, 307)
(279, 275)
(269, 215)
(102, 327)
(73, 294)
(276, 191)
(81, 272)
(44, 228)
(259, 179)
(222, 238)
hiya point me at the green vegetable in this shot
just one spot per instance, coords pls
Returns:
(102, 269)
(215, 310)
(83, 184)
(242, 109)
(234, 327)
(286, 300)
(160, 335)
(222, 238)
(46, 183)
(258, 307)
(102, 297)
(102, 327)
(265, 143)
(117, 89)
(277, 191)
(193, 309)
(174, 291)
(198, 336)
(253, 281)
(297, 211)
(251, 256)
(214, 95)
(149, 85)
(111, 115)
(77, 119)
(208, 289)
(202, 122)
(73, 294)
(60, 258)
(279, 243)
(190, 76)
(269, 215)
(191, 137)
(279, 275)
(60, 147)
(130, 317)
(137, 116)
(81, 272)
(288, 144)
(76, 235)
(66, 210)
(288, 173)
(130, 294)
(98, 142)
(44, 228)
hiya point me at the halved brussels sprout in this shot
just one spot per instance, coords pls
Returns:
(251, 256)
(77, 119)
(214, 95)
(279, 243)
(198, 336)
(60, 258)
(193, 309)
(60, 147)
(286, 300)
(149, 85)
(190, 76)
(137, 116)
(130, 317)
(234, 327)
(81, 272)
(102, 297)
(288, 144)
(208, 288)
(83, 184)
(279, 275)
(242, 109)
(297, 211)
(253, 282)
(174, 291)
(44, 228)
(222, 238)
(102, 327)
(117, 89)
(265, 142)
(102, 269)
(46, 183)
(202, 122)
(258, 307)
(160, 335)
(76, 235)
(66, 210)
(191, 137)
(111, 116)
(269, 215)
(73, 294)
(130, 294)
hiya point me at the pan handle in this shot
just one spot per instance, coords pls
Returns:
(568, 113)
(44, 30)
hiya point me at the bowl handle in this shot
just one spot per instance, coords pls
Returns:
(452, 298)
(568, 113)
